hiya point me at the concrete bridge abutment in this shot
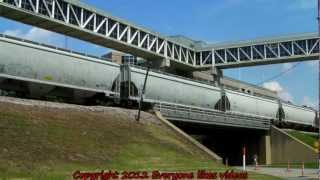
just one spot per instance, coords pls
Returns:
(286, 148)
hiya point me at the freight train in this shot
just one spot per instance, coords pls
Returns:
(37, 70)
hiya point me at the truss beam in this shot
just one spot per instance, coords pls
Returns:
(85, 21)
(78, 20)
(261, 53)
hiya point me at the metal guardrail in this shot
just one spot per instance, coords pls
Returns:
(199, 115)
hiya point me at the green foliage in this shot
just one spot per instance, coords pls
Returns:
(50, 143)
(309, 139)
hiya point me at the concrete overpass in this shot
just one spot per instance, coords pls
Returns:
(211, 117)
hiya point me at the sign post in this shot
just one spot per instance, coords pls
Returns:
(255, 162)
(244, 158)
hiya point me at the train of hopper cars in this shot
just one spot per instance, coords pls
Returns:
(36, 70)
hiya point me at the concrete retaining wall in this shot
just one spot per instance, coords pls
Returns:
(285, 147)
(189, 138)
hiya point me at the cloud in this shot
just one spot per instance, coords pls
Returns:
(307, 101)
(273, 86)
(34, 34)
(276, 87)
(286, 96)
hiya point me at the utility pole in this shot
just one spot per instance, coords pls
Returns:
(142, 92)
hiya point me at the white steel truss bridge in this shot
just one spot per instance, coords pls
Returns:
(81, 21)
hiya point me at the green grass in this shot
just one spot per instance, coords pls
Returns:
(256, 176)
(47, 143)
(309, 139)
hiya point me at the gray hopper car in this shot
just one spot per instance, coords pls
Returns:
(37, 70)
(162, 87)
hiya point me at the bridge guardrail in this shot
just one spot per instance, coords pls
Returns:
(175, 112)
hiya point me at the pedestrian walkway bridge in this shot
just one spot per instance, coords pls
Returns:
(84, 22)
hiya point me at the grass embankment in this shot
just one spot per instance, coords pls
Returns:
(51, 143)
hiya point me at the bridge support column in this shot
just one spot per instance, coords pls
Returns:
(265, 150)
(217, 75)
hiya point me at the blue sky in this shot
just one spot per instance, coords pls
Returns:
(212, 21)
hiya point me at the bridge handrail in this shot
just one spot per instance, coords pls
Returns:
(172, 107)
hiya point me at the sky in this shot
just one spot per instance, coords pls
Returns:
(212, 22)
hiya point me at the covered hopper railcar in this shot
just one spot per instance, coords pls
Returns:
(298, 115)
(38, 70)
(167, 88)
